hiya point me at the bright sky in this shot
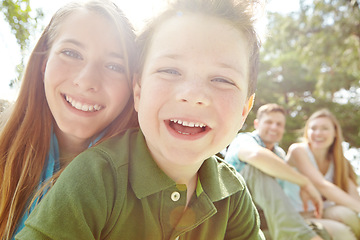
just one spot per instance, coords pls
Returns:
(136, 10)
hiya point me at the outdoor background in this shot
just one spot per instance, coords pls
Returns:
(309, 60)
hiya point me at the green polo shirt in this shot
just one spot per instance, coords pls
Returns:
(116, 191)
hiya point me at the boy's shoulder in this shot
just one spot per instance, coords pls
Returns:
(222, 163)
(118, 149)
(219, 179)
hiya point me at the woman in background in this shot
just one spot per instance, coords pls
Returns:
(320, 157)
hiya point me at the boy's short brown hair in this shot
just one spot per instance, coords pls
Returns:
(239, 14)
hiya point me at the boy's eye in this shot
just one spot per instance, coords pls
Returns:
(72, 54)
(169, 71)
(116, 67)
(223, 80)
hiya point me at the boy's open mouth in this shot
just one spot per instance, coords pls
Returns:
(187, 128)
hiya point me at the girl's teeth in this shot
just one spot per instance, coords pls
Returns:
(83, 107)
(97, 107)
(77, 105)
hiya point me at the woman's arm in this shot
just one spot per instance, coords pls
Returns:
(298, 157)
(269, 163)
(353, 190)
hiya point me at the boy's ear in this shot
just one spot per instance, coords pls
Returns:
(137, 91)
(248, 106)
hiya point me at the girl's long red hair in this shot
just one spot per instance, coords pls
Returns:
(25, 135)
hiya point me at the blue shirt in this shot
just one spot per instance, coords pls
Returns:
(248, 140)
(52, 165)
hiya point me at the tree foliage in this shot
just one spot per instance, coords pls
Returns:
(311, 60)
(18, 14)
(4, 104)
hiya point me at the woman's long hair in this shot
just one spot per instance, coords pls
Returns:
(343, 168)
(25, 135)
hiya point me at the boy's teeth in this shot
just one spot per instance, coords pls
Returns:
(82, 107)
(188, 124)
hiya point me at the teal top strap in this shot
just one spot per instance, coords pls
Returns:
(52, 166)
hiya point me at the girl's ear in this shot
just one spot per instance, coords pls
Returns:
(43, 66)
(137, 91)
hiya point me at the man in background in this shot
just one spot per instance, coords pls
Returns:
(260, 160)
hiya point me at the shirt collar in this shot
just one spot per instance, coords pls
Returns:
(218, 180)
(146, 177)
(276, 148)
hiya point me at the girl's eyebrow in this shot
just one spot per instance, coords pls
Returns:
(73, 41)
(79, 44)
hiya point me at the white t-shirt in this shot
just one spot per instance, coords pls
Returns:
(292, 190)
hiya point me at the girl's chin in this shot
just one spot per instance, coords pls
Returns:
(319, 145)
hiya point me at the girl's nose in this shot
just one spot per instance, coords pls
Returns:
(89, 78)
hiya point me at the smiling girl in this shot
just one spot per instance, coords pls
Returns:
(76, 91)
(321, 159)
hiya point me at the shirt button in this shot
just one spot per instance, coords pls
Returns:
(175, 196)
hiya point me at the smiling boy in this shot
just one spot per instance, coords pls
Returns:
(194, 90)
(185, 100)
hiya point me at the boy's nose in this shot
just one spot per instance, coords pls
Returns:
(194, 92)
(88, 79)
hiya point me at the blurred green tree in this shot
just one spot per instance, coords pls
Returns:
(23, 21)
(311, 60)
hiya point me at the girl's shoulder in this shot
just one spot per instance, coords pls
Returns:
(298, 147)
(296, 152)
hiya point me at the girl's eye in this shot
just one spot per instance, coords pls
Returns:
(72, 54)
(116, 67)
(223, 80)
(169, 71)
